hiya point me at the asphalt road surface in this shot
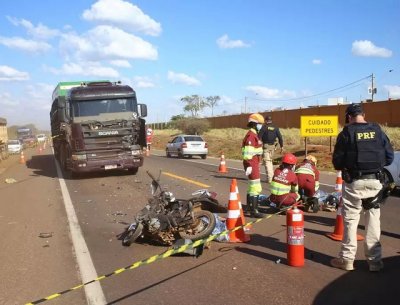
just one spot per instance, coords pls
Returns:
(58, 233)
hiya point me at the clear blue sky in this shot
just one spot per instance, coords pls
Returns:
(270, 53)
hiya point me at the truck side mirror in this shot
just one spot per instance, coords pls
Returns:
(142, 109)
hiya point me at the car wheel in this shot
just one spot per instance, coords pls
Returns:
(167, 153)
(204, 157)
(180, 154)
(387, 177)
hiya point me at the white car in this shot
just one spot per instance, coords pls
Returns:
(14, 146)
(392, 172)
(41, 138)
(187, 145)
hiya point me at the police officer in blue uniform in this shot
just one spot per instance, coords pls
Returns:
(362, 150)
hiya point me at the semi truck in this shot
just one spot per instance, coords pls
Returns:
(97, 126)
(3, 139)
(25, 135)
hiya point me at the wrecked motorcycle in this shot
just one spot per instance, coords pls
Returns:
(166, 219)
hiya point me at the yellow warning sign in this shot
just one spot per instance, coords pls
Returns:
(319, 125)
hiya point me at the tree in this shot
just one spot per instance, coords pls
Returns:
(194, 104)
(212, 101)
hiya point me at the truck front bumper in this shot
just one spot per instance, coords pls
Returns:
(98, 165)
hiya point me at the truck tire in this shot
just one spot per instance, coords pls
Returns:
(133, 170)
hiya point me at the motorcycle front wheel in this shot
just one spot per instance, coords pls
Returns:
(202, 227)
(132, 234)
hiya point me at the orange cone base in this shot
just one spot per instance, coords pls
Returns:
(360, 237)
(335, 236)
(241, 237)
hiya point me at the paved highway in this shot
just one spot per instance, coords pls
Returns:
(57, 233)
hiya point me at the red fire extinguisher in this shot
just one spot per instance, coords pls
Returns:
(295, 237)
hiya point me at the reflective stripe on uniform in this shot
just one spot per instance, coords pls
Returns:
(306, 171)
(254, 187)
(248, 152)
(279, 188)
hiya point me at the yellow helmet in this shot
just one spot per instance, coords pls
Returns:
(256, 118)
(312, 159)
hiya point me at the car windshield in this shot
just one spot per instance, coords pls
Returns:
(193, 139)
(13, 142)
(96, 107)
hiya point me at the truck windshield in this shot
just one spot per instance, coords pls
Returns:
(96, 107)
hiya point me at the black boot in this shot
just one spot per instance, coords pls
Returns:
(254, 208)
(247, 208)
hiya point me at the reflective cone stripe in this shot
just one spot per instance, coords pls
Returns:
(222, 166)
(22, 158)
(339, 182)
(234, 218)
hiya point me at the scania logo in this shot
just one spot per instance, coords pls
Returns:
(108, 133)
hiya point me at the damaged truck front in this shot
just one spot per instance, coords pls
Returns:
(97, 126)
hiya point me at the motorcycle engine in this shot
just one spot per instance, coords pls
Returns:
(154, 225)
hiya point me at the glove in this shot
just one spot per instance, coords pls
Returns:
(249, 170)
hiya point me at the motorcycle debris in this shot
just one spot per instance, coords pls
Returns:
(234, 268)
(119, 214)
(278, 261)
(46, 235)
(10, 180)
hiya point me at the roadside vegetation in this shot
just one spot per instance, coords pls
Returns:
(229, 141)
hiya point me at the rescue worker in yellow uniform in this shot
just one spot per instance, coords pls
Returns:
(251, 155)
(308, 176)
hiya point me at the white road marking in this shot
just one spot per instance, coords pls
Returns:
(94, 293)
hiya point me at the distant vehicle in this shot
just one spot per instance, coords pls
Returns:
(187, 145)
(41, 138)
(14, 146)
(3, 139)
(392, 172)
(25, 135)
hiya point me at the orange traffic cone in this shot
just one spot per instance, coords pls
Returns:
(235, 217)
(222, 166)
(339, 182)
(339, 227)
(22, 158)
(247, 228)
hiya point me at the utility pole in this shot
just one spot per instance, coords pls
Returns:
(245, 104)
(373, 89)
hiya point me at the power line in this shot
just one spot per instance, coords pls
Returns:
(314, 95)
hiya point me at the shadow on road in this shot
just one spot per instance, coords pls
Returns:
(361, 287)
(163, 281)
(44, 165)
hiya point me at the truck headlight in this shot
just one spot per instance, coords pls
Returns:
(79, 157)
(136, 152)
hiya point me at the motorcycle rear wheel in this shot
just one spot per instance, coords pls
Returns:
(204, 224)
(132, 235)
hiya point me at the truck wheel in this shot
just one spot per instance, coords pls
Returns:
(133, 170)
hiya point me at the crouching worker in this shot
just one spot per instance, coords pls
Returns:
(284, 188)
(308, 176)
(251, 154)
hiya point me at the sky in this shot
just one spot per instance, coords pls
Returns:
(256, 55)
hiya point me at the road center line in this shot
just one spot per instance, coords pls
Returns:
(94, 293)
(186, 179)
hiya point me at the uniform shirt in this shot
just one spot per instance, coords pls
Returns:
(268, 133)
(307, 168)
(251, 148)
(344, 147)
(284, 182)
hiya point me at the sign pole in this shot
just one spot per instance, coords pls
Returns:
(305, 146)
